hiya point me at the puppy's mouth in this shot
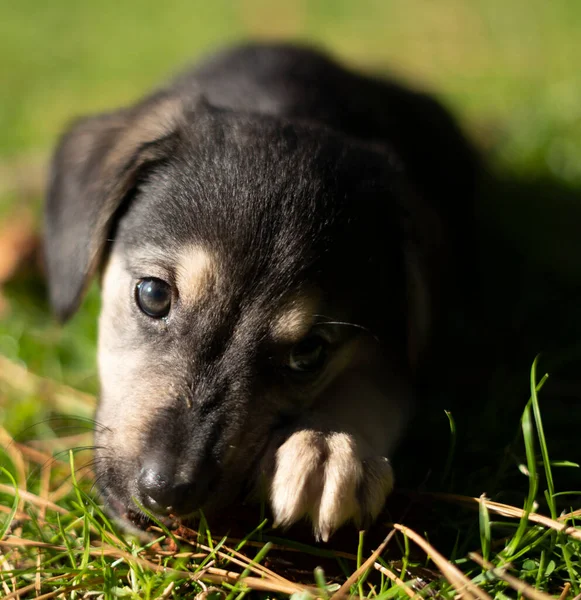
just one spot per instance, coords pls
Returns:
(127, 517)
(131, 504)
(130, 516)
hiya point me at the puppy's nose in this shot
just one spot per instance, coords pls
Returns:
(162, 493)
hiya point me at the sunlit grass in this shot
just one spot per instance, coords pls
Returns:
(56, 539)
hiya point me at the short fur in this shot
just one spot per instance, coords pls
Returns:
(277, 193)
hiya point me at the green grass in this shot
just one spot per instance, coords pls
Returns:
(510, 71)
(80, 549)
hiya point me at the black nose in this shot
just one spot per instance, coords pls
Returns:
(163, 492)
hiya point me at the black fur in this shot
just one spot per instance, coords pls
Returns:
(286, 82)
(295, 173)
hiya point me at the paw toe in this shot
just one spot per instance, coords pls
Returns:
(297, 477)
(343, 474)
(323, 476)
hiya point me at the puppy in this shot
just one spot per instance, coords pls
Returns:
(274, 236)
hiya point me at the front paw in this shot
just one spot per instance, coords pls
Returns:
(329, 477)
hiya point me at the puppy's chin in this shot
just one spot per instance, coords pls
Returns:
(129, 519)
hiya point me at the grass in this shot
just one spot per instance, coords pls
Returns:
(56, 541)
(489, 493)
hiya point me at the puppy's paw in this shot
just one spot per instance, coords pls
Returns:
(331, 478)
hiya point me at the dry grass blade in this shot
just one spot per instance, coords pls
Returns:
(9, 446)
(64, 490)
(61, 397)
(14, 541)
(102, 550)
(354, 577)
(15, 454)
(283, 547)
(243, 561)
(216, 575)
(37, 456)
(289, 548)
(513, 512)
(29, 588)
(211, 575)
(33, 499)
(168, 591)
(17, 515)
(37, 576)
(571, 515)
(565, 592)
(235, 557)
(401, 584)
(60, 444)
(5, 565)
(65, 590)
(46, 504)
(461, 583)
(45, 475)
(516, 584)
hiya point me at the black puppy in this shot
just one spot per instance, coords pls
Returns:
(274, 233)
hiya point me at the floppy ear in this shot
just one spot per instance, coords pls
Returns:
(96, 165)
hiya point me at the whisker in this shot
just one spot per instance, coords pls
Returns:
(91, 424)
(347, 324)
(77, 449)
(50, 462)
(93, 489)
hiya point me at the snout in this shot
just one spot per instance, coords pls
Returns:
(170, 461)
(164, 489)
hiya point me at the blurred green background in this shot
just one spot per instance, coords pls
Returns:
(501, 64)
(509, 70)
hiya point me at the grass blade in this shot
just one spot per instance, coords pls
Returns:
(541, 437)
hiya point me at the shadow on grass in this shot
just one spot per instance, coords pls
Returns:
(527, 301)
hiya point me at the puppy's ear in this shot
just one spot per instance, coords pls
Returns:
(95, 167)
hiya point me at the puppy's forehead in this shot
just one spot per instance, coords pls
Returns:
(243, 211)
(295, 316)
(196, 272)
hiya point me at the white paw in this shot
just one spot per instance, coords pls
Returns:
(329, 478)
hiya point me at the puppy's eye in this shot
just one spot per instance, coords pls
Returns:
(309, 355)
(153, 296)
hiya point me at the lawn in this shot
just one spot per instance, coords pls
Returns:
(510, 71)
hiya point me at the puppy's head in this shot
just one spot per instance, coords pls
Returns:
(246, 264)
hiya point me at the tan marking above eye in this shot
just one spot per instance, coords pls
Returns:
(295, 319)
(196, 273)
